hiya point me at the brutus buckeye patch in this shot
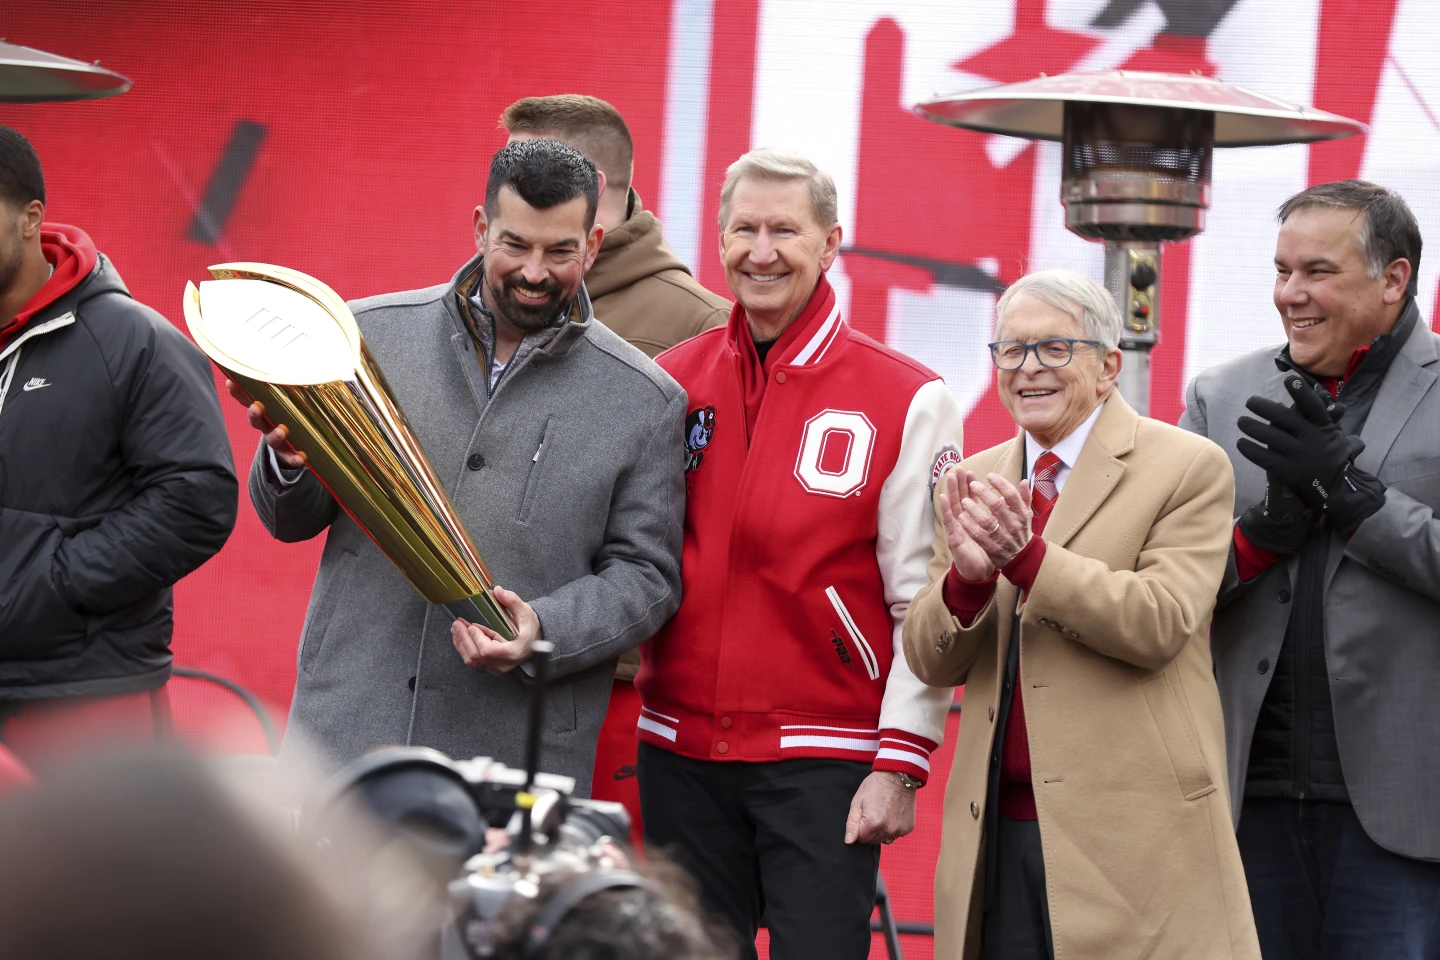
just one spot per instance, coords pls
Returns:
(699, 428)
(949, 456)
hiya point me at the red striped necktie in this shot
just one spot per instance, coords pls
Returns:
(1042, 483)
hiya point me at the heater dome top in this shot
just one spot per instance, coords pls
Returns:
(34, 76)
(1036, 108)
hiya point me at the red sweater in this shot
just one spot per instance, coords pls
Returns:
(966, 598)
(807, 532)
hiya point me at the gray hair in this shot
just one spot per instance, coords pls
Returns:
(1389, 231)
(767, 163)
(1076, 294)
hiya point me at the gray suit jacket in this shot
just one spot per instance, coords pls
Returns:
(1382, 599)
(579, 507)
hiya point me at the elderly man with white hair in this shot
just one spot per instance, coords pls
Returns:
(782, 734)
(1074, 578)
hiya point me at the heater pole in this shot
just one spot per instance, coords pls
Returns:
(1132, 275)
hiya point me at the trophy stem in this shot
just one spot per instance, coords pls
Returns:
(484, 609)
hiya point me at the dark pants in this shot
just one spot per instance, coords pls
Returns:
(1017, 912)
(767, 838)
(1323, 890)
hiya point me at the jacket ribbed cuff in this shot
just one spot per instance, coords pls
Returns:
(905, 752)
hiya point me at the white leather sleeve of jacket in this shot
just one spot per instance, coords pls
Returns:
(933, 426)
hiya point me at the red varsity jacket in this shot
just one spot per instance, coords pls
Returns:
(808, 529)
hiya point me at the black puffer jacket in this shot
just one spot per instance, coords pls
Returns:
(116, 480)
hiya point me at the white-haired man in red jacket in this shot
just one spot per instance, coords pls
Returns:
(782, 736)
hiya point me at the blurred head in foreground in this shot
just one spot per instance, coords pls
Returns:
(149, 856)
(658, 921)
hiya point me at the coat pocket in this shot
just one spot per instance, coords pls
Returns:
(322, 615)
(36, 622)
(536, 476)
(1178, 735)
(852, 629)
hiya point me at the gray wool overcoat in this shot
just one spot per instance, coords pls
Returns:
(570, 479)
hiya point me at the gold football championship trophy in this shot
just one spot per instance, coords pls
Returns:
(290, 342)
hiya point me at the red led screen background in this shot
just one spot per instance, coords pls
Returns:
(351, 141)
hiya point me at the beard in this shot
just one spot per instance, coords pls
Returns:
(12, 259)
(530, 317)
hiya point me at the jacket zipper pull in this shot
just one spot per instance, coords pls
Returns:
(536, 458)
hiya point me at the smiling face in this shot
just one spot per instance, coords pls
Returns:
(774, 251)
(1050, 402)
(534, 259)
(1329, 305)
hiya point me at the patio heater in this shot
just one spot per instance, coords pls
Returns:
(1136, 168)
(34, 76)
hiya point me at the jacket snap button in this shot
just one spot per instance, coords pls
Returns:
(780, 377)
(475, 462)
(992, 714)
(725, 722)
(974, 809)
(1264, 666)
(722, 747)
(412, 683)
(1284, 596)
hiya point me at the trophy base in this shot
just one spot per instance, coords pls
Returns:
(483, 610)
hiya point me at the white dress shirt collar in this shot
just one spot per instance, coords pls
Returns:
(1068, 449)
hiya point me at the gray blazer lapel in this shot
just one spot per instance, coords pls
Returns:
(1409, 378)
(1405, 385)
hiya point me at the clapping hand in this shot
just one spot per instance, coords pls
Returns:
(986, 525)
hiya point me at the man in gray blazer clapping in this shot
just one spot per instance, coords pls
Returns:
(1326, 634)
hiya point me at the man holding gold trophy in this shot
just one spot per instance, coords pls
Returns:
(553, 439)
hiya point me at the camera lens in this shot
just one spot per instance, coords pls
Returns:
(589, 820)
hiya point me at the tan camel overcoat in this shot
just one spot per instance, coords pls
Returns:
(1126, 741)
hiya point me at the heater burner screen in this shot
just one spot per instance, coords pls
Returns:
(1165, 143)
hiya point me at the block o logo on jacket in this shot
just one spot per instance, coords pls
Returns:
(835, 453)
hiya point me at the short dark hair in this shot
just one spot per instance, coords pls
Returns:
(21, 179)
(589, 123)
(660, 921)
(545, 173)
(1389, 232)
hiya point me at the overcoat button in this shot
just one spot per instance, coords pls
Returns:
(1264, 666)
(722, 747)
(412, 683)
(992, 714)
(725, 722)
(475, 461)
(780, 377)
(974, 809)
(1284, 596)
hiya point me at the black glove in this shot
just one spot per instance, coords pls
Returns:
(1356, 496)
(1303, 446)
(1280, 523)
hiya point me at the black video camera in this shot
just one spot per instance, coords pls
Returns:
(443, 808)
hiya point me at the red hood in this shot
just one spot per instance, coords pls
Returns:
(72, 253)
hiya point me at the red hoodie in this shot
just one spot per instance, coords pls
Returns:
(72, 253)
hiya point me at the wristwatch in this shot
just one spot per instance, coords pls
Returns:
(907, 781)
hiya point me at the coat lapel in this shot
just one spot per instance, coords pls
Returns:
(1409, 378)
(1405, 385)
(1096, 472)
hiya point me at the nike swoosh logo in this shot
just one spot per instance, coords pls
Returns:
(34, 386)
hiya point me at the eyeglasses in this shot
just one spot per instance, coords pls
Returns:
(1051, 352)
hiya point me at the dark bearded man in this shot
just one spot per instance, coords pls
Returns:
(556, 440)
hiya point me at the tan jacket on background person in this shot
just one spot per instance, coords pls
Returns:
(641, 290)
(1126, 742)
